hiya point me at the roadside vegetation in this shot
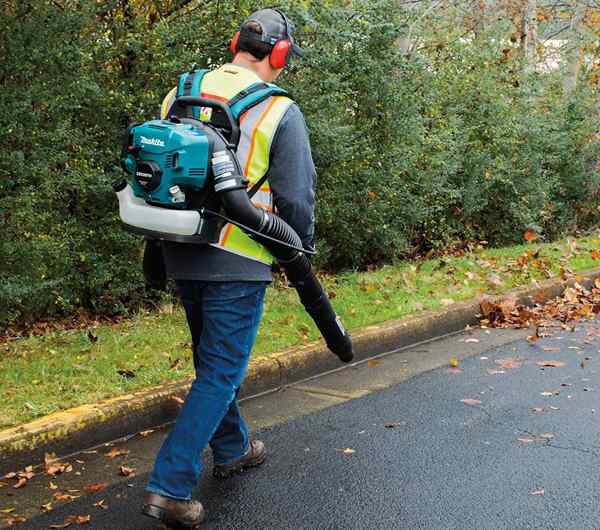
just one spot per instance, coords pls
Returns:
(62, 369)
(432, 123)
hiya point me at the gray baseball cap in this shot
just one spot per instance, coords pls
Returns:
(275, 26)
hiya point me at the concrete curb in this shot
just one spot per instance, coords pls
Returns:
(89, 425)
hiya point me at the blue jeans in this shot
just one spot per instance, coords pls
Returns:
(223, 318)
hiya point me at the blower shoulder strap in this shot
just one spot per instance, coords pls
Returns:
(252, 96)
(189, 85)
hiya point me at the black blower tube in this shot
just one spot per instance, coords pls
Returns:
(296, 265)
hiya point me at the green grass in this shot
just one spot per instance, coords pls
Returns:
(40, 375)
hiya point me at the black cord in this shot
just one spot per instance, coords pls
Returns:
(244, 227)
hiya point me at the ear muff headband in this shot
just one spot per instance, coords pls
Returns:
(281, 50)
(233, 45)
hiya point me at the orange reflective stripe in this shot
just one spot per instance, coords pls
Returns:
(253, 146)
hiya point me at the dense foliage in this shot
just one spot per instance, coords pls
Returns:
(447, 143)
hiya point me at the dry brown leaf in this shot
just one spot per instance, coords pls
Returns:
(538, 493)
(146, 433)
(95, 488)
(510, 363)
(494, 279)
(126, 471)
(52, 486)
(60, 496)
(374, 362)
(530, 235)
(469, 401)
(73, 519)
(20, 483)
(526, 440)
(101, 504)
(551, 364)
(16, 519)
(7, 510)
(47, 507)
(114, 452)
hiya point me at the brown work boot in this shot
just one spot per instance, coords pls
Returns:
(178, 514)
(255, 456)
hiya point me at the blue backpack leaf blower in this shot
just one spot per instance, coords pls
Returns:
(187, 183)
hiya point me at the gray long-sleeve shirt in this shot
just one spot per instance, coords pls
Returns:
(292, 178)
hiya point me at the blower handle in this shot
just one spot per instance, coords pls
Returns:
(191, 101)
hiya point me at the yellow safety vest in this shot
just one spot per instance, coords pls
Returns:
(257, 128)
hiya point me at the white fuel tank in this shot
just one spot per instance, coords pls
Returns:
(136, 212)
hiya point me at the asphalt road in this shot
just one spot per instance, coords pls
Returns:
(391, 444)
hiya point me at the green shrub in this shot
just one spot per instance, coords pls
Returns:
(449, 143)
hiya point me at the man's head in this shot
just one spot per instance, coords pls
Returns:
(264, 43)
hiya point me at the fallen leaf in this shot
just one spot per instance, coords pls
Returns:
(114, 452)
(526, 440)
(73, 519)
(509, 364)
(546, 394)
(20, 483)
(95, 488)
(126, 471)
(146, 433)
(453, 362)
(347, 451)
(537, 410)
(177, 399)
(470, 401)
(17, 519)
(393, 425)
(472, 340)
(554, 408)
(538, 493)
(374, 362)
(552, 364)
(52, 486)
(530, 235)
(10, 475)
(47, 507)
(60, 496)
(7, 510)
(101, 504)
(494, 279)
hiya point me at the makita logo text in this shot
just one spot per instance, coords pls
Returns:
(153, 141)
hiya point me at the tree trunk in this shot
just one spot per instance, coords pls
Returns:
(529, 35)
(573, 53)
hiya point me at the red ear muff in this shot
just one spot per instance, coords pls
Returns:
(234, 43)
(280, 53)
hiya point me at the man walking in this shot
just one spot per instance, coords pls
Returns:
(222, 286)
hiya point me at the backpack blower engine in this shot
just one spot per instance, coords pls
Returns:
(187, 183)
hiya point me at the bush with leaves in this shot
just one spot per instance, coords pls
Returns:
(413, 151)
